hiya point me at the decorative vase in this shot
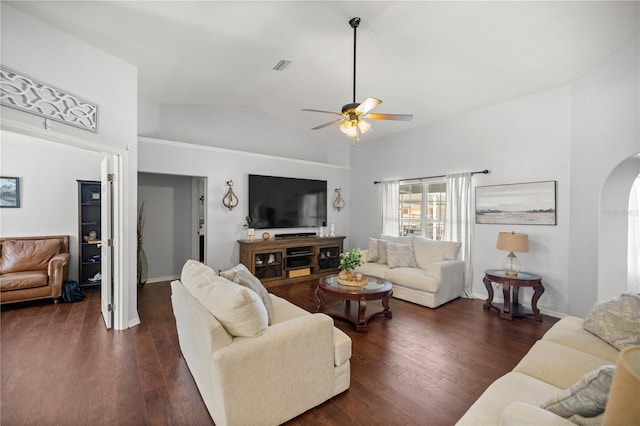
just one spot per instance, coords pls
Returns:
(345, 275)
(251, 234)
(143, 267)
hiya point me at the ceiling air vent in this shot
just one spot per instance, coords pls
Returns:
(281, 65)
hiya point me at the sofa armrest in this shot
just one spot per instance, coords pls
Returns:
(58, 272)
(447, 270)
(522, 414)
(291, 363)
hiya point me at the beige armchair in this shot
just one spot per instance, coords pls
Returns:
(33, 267)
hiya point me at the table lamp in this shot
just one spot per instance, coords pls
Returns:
(512, 242)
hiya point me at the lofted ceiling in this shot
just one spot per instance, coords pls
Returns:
(431, 59)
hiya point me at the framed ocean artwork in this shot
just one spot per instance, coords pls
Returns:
(532, 203)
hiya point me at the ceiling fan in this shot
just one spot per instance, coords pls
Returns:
(353, 115)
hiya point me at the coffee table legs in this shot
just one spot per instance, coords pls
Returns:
(362, 321)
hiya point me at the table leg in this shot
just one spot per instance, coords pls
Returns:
(515, 290)
(385, 303)
(506, 309)
(321, 301)
(361, 325)
(537, 292)
(489, 302)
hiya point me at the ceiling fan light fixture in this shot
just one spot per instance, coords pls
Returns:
(349, 128)
(364, 126)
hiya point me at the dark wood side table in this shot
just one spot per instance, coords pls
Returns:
(511, 307)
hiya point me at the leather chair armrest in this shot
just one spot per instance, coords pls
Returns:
(58, 272)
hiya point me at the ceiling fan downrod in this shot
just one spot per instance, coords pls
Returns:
(354, 22)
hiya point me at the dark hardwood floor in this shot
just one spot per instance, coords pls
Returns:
(60, 366)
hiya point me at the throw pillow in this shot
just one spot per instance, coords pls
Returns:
(400, 256)
(237, 308)
(230, 273)
(247, 279)
(586, 398)
(372, 252)
(616, 321)
(382, 251)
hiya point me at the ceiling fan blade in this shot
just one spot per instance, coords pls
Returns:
(368, 105)
(319, 110)
(399, 117)
(327, 124)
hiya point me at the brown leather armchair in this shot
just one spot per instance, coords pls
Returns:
(33, 267)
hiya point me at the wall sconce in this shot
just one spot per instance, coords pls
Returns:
(338, 202)
(230, 200)
(512, 242)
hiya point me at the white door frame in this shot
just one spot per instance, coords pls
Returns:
(119, 291)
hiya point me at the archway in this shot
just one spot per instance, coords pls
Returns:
(613, 232)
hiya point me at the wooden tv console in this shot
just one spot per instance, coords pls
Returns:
(289, 260)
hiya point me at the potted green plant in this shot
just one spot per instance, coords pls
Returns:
(250, 224)
(349, 261)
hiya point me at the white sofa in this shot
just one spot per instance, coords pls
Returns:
(556, 362)
(436, 276)
(248, 371)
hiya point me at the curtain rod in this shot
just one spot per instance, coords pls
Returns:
(375, 182)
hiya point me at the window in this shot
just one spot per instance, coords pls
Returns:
(422, 208)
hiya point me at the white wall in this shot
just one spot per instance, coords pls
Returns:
(525, 140)
(36, 49)
(48, 175)
(238, 128)
(224, 227)
(168, 217)
(605, 132)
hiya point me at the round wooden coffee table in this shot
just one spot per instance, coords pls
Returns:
(376, 288)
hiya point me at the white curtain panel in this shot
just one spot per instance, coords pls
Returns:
(457, 226)
(390, 210)
(633, 285)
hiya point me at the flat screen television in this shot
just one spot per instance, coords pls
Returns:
(282, 202)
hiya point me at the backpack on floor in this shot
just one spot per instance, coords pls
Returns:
(71, 292)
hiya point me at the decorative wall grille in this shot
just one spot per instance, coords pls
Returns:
(27, 94)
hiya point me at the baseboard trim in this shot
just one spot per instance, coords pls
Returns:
(163, 279)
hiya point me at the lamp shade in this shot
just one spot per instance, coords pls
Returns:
(622, 406)
(510, 241)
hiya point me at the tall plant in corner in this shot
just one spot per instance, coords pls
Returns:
(143, 266)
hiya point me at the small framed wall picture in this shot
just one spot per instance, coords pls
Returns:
(9, 192)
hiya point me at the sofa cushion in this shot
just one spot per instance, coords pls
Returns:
(569, 331)
(22, 280)
(405, 239)
(230, 273)
(428, 251)
(374, 269)
(238, 309)
(372, 251)
(382, 251)
(413, 278)
(586, 398)
(509, 388)
(247, 279)
(556, 364)
(27, 255)
(616, 321)
(400, 256)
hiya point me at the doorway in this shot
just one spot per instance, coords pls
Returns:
(49, 192)
(174, 222)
